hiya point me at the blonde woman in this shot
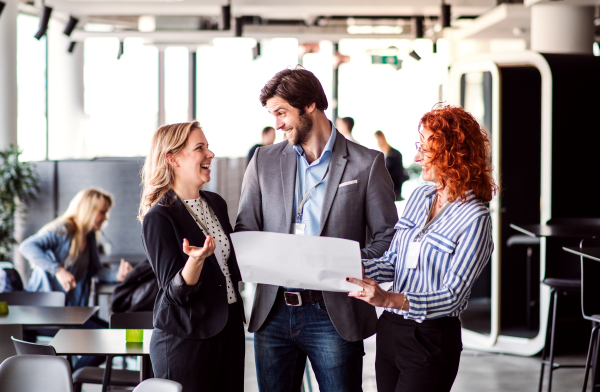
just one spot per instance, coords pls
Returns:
(198, 338)
(64, 253)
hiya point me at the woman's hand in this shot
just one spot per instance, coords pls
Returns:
(192, 269)
(66, 279)
(199, 254)
(124, 269)
(371, 292)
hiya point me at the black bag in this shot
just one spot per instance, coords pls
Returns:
(137, 292)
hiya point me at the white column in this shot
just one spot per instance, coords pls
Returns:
(65, 93)
(8, 74)
(562, 28)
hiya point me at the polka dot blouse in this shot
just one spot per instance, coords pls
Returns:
(205, 214)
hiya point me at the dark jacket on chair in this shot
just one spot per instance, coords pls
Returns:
(192, 312)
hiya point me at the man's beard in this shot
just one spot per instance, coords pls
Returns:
(302, 129)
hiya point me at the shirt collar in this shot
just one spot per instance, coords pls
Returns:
(328, 147)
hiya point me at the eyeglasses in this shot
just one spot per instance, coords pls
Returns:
(420, 150)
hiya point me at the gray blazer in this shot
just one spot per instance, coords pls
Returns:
(267, 204)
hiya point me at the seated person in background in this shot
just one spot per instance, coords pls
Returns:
(64, 253)
(268, 138)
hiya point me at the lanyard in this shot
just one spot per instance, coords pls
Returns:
(200, 223)
(301, 200)
(418, 237)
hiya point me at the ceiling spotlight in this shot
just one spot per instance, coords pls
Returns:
(121, 49)
(414, 55)
(226, 14)
(147, 23)
(434, 46)
(256, 51)
(2, 4)
(71, 46)
(239, 26)
(44, 19)
(70, 26)
(445, 15)
(419, 27)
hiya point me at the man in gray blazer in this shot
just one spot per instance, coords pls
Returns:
(315, 183)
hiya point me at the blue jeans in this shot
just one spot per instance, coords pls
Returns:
(289, 335)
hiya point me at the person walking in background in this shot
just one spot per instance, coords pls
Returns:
(198, 337)
(316, 184)
(442, 243)
(268, 138)
(393, 162)
(345, 126)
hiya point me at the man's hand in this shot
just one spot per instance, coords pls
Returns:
(66, 279)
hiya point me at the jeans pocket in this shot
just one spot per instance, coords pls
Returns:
(322, 308)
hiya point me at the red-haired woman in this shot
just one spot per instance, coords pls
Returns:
(442, 242)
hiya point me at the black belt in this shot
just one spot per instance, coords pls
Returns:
(299, 298)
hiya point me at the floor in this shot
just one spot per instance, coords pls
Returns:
(478, 372)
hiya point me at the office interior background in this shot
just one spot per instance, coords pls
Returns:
(83, 99)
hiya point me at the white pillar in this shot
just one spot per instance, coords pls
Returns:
(65, 93)
(562, 28)
(8, 74)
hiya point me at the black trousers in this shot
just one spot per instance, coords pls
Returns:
(215, 364)
(417, 357)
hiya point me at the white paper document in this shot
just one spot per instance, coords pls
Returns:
(308, 262)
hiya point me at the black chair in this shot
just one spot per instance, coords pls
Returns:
(590, 308)
(563, 287)
(86, 375)
(132, 320)
(520, 239)
(26, 298)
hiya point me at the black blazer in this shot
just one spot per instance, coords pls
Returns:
(194, 312)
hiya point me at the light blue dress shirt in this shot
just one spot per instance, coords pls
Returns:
(309, 176)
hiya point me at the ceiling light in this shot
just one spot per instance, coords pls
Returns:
(147, 23)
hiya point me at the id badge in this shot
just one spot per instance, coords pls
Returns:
(412, 255)
(299, 228)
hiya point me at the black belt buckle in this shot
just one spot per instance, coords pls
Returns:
(292, 298)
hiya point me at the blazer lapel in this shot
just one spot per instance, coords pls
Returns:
(195, 236)
(336, 170)
(288, 163)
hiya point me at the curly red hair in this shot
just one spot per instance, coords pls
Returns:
(459, 150)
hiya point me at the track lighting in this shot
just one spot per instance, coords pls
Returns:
(121, 49)
(414, 55)
(44, 20)
(70, 26)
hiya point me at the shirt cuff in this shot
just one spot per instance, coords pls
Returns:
(417, 309)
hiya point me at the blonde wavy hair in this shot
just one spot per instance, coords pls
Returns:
(157, 175)
(79, 218)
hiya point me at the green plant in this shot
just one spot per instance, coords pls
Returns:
(18, 185)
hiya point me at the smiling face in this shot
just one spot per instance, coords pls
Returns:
(423, 158)
(193, 161)
(296, 126)
(101, 216)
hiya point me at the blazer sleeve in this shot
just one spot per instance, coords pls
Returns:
(250, 211)
(38, 249)
(165, 256)
(380, 209)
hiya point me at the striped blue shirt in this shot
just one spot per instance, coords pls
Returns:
(454, 250)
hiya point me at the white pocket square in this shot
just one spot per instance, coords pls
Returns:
(347, 183)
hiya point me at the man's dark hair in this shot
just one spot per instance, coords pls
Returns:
(349, 121)
(299, 87)
(267, 130)
(379, 134)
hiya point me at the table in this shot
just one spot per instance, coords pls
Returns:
(562, 231)
(109, 342)
(48, 315)
(590, 253)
